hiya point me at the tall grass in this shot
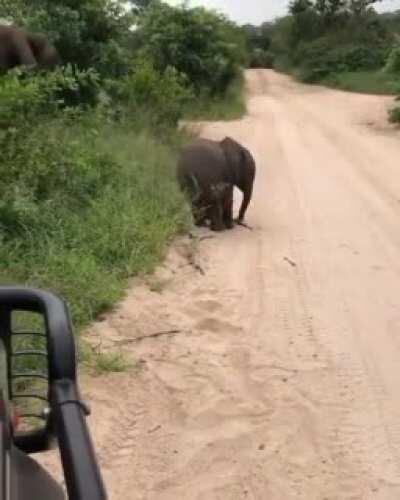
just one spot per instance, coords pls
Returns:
(230, 106)
(367, 82)
(87, 255)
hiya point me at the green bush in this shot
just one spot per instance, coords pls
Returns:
(393, 61)
(24, 99)
(362, 57)
(260, 58)
(369, 81)
(319, 59)
(45, 171)
(27, 97)
(200, 44)
(160, 97)
(315, 61)
(320, 40)
(231, 106)
(37, 156)
(394, 115)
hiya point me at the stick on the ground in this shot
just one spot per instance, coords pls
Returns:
(196, 266)
(150, 336)
(282, 368)
(202, 238)
(199, 268)
(291, 262)
(245, 225)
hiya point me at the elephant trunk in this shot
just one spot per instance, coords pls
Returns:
(247, 194)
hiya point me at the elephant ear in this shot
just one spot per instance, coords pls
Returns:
(234, 155)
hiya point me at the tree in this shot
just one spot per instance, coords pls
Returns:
(360, 7)
(329, 9)
(307, 22)
(141, 4)
(258, 37)
(297, 7)
(204, 46)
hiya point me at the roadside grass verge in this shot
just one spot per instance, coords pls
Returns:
(376, 82)
(230, 106)
(99, 362)
(87, 255)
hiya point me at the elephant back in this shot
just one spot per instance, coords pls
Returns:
(205, 161)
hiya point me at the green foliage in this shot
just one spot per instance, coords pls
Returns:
(102, 363)
(369, 82)
(306, 23)
(160, 96)
(258, 39)
(317, 60)
(260, 58)
(322, 39)
(394, 115)
(231, 106)
(391, 20)
(106, 362)
(393, 61)
(25, 98)
(46, 169)
(362, 57)
(204, 46)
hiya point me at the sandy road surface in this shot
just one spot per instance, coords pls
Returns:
(282, 379)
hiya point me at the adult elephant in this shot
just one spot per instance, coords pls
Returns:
(19, 47)
(208, 170)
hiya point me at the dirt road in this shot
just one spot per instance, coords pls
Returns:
(281, 379)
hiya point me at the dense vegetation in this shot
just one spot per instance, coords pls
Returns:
(259, 43)
(343, 43)
(87, 152)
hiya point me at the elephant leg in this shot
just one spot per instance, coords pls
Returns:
(200, 211)
(199, 221)
(199, 217)
(228, 208)
(217, 216)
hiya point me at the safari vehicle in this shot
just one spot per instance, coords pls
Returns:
(38, 384)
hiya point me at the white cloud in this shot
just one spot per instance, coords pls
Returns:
(387, 5)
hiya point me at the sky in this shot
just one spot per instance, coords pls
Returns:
(257, 11)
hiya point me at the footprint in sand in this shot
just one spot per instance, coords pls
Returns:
(199, 307)
(208, 305)
(216, 326)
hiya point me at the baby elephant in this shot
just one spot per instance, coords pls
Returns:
(208, 171)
